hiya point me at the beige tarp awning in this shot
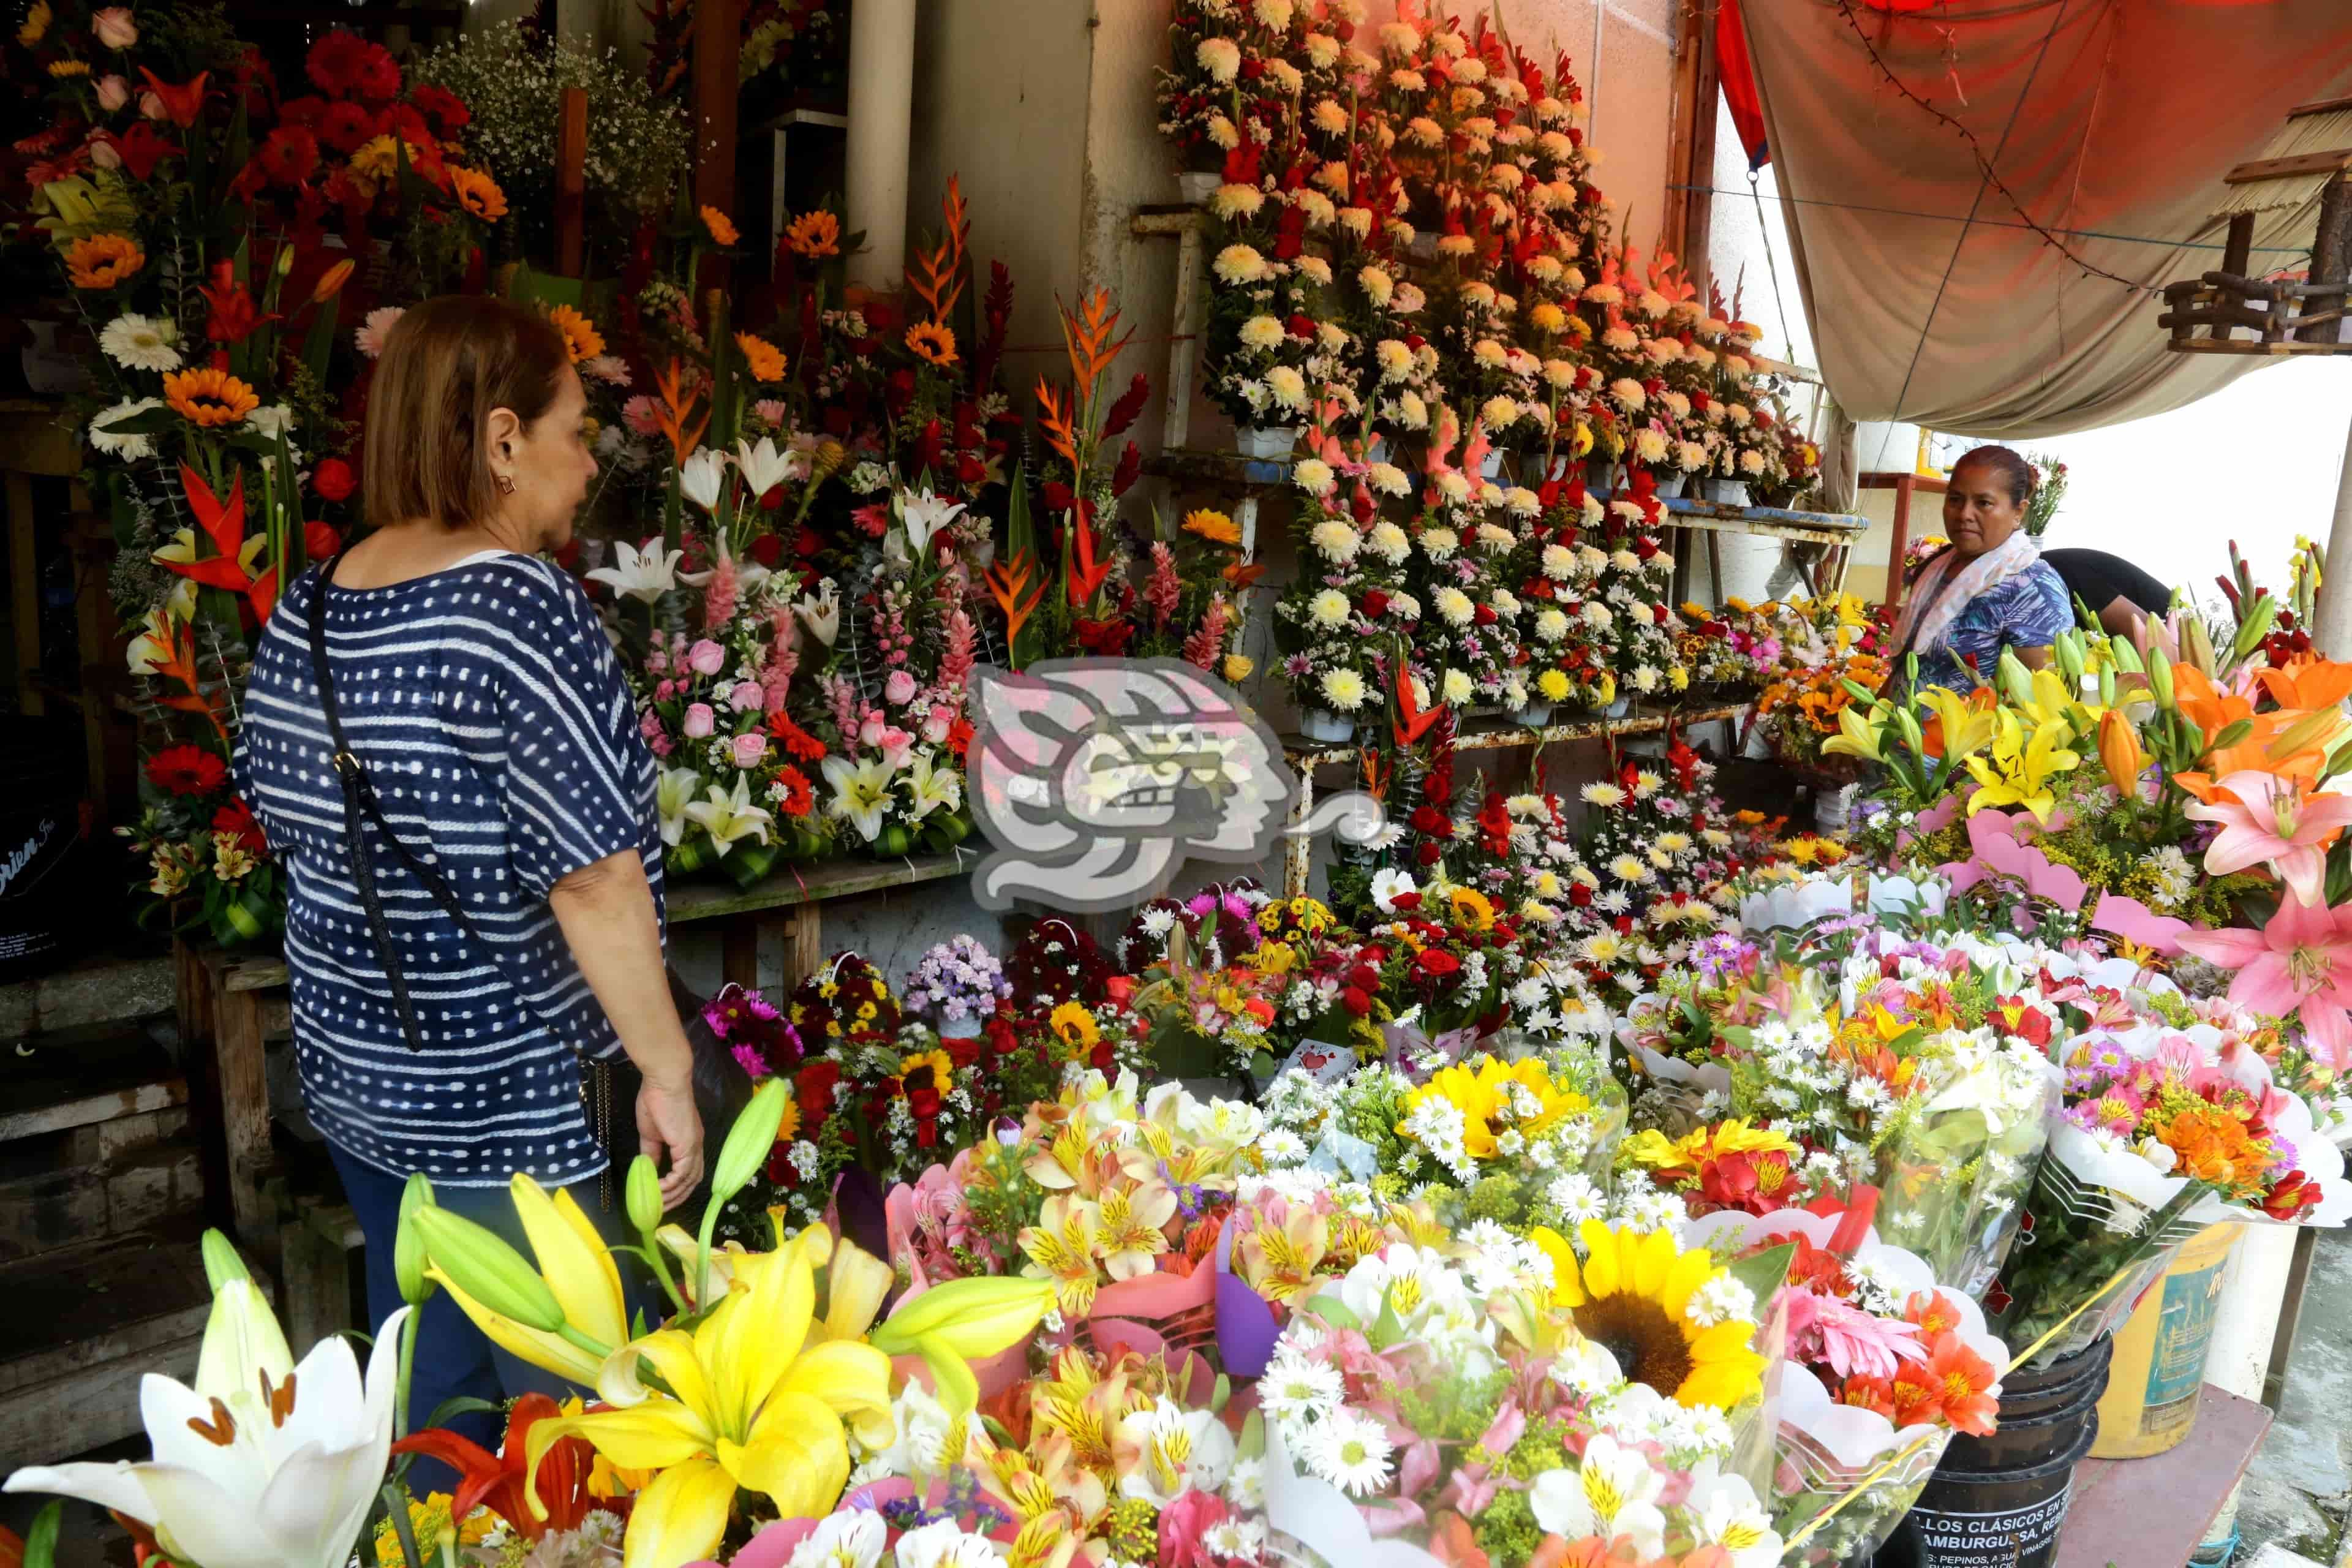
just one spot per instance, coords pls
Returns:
(2111, 121)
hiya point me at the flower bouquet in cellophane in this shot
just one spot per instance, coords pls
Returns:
(1884, 1367)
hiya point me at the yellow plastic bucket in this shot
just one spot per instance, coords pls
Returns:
(2150, 1404)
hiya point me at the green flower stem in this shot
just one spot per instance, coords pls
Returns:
(407, 1375)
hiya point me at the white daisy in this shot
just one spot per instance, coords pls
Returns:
(142, 342)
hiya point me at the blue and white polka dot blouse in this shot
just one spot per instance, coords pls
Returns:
(492, 718)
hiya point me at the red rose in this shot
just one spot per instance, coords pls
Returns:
(767, 550)
(1298, 326)
(1356, 1001)
(1483, 615)
(924, 1102)
(963, 1052)
(1437, 963)
(1101, 1058)
(319, 540)
(334, 480)
(1376, 603)
(926, 1134)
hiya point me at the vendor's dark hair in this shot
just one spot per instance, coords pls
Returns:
(2012, 465)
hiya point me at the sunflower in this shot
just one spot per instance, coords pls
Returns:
(104, 260)
(209, 397)
(580, 338)
(941, 1065)
(814, 234)
(1657, 1308)
(479, 194)
(932, 341)
(1074, 1025)
(1213, 526)
(62, 69)
(1473, 908)
(722, 230)
(763, 359)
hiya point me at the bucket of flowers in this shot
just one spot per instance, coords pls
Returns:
(957, 984)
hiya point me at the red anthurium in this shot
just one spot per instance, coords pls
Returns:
(182, 103)
(224, 523)
(235, 317)
(500, 1482)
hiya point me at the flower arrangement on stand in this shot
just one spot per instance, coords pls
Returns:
(958, 984)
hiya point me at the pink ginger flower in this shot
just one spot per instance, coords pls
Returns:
(840, 698)
(783, 658)
(2269, 821)
(1203, 646)
(2300, 963)
(956, 657)
(719, 594)
(1164, 589)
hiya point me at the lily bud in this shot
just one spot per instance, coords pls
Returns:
(2127, 657)
(330, 282)
(642, 1196)
(2198, 649)
(2107, 686)
(971, 1318)
(2015, 681)
(2068, 651)
(749, 1141)
(222, 1263)
(1914, 740)
(2119, 750)
(285, 262)
(2159, 678)
(485, 1267)
(2315, 730)
(408, 1259)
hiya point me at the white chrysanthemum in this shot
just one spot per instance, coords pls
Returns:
(1342, 688)
(1504, 602)
(1314, 476)
(1489, 353)
(1751, 463)
(142, 342)
(1598, 615)
(1456, 686)
(1322, 51)
(1357, 221)
(1335, 540)
(1314, 266)
(1551, 625)
(1690, 457)
(1453, 606)
(1221, 58)
(1285, 76)
(1440, 543)
(1388, 479)
(1286, 387)
(1499, 413)
(1410, 411)
(1523, 501)
(1423, 130)
(1222, 133)
(1318, 210)
(1262, 333)
(1559, 562)
(1241, 264)
(1740, 414)
(1641, 614)
(1649, 444)
(1628, 393)
(1236, 200)
(1591, 556)
(1389, 542)
(1404, 606)
(1329, 608)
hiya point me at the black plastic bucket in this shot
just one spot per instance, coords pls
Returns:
(2038, 1390)
(44, 881)
(2006, 1518)
(2039, 1421)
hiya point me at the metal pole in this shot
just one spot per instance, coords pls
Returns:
(2334, 631)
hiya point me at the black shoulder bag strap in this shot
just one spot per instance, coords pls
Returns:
(360, 804)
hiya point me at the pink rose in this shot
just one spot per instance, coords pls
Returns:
(657, 662)
(699, 722)
(747, 696)
(114, 27)
(896, 744)
(113, 92)
(151, 106)
(899, 689)
(937, 724)
(706, 658)
(751, 749)
(103, 155)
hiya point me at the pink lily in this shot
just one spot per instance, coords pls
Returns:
(2267, 820)
(2301, 961)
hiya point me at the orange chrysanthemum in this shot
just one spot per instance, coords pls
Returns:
(479, 194)
(580, 338)
(814, 236)
(932, 341)
(2215, 1148)
(209, 397)
(722, 229)
(104, 260)
(763, 359)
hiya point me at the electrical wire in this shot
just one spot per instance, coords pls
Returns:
(1995, 222)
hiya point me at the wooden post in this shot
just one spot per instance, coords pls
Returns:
(1900, 540)
(242, 1064)
(2331, 248)
(718, 49)
(571, 183)
(2237, 251)
(803, 944)
(1690, 152)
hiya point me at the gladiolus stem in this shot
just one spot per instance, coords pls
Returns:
(408, 1374)
(396, 1503)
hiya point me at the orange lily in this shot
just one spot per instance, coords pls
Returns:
(2210, 707)
(2308, 685)
(1243, 573)
(2272, 746)
(1008, 584)
(676, 403)
(224, 523)
(500, 1481)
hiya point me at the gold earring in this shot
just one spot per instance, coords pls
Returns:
(504, 483)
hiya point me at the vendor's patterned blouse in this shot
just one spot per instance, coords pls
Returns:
(493, 720)
(2028, 610)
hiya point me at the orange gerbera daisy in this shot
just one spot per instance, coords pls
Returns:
(814, 234)
(209, 397)
(932, 341)
(722, 229)
(104, 260)
(580, 338)
(1213, 526)
(763, 359)
(479, 194)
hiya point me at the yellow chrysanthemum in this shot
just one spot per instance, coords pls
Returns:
(1634, 1296)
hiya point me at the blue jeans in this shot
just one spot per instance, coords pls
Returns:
(455, 1359)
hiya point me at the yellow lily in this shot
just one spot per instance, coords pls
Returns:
(2049, 702)
(577, 1269)
(2020, 770)
(1965, 727)
(751, 1399)
(1857, 736)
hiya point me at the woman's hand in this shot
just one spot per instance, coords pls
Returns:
(669, 1124)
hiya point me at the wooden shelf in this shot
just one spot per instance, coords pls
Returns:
(1309, 753)
(2153, 1512)
(793, 887)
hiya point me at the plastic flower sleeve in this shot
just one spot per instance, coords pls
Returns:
(1956, 1168)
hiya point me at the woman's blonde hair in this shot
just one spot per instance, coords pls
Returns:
(448, 364)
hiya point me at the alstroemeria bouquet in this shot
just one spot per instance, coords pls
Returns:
(203, 848)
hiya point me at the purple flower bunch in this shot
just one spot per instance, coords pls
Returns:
(957, 979)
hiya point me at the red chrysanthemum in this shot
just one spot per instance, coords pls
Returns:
(186, 770)
(290, 155)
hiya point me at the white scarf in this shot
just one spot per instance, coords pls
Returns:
(1947, 587)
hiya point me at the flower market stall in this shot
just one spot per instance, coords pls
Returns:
(1593, 1166)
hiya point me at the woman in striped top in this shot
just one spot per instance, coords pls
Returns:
(477, 691)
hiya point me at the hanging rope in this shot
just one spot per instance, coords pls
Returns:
(1771, 267)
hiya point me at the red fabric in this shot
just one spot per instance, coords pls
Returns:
(1739, 82)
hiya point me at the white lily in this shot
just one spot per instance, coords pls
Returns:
(933, 788)
(821, 612)
(700, 477)
(763, 467)
(728, 816)
(673, 793)
(263, 1464)
(861, 792)
(924, 516)
(748, 574)
(646, 573)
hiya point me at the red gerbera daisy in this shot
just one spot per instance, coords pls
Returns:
(290, 155)
(798, 795)
(446, 109)
(186, 770)
(379, 75)
(238, 818)
(336, 61)
(305, 110)
(344, 126)
(405, 122)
